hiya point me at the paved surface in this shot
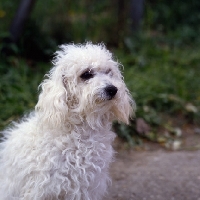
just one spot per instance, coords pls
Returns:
(156, 175)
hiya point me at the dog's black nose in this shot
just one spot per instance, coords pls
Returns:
(111, 91)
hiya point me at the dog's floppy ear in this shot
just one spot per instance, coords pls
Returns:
(125, 109)
(52, 107)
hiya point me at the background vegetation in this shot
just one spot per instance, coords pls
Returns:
(161, 60)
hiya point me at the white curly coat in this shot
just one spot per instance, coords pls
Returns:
(62, 150)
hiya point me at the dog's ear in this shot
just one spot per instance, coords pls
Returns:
(52, 107)
(125, 108)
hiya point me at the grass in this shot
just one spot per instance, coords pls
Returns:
(163, 79)
(160, 75)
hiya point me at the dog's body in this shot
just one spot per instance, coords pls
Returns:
(63, 149)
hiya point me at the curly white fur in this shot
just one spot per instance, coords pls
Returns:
(62, 150)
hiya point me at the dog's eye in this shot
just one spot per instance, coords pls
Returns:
(108, 71)
(87, 75)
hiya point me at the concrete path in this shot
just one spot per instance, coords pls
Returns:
(155, 175)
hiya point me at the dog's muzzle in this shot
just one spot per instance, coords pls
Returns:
(110, 91)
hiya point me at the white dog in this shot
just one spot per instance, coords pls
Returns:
(62, 150)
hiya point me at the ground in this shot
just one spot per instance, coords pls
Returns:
(157, 173)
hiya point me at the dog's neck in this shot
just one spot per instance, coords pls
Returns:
(92, 121)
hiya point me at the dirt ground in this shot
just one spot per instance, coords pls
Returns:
(154, 173)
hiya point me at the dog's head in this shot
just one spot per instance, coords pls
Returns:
(84, 84)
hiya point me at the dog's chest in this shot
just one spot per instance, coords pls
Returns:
(84, 159)
(87, 151)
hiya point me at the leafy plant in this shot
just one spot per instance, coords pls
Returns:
(163, 80)
(18, 88)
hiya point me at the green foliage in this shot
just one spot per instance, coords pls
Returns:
(128, 133)
(55, 22)
(7, 12)
(18, 88)
(6, 46)
(76, 21)
(161, 63)
(179, 19)
(36, 44)
(159, 69)
(163, 80)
